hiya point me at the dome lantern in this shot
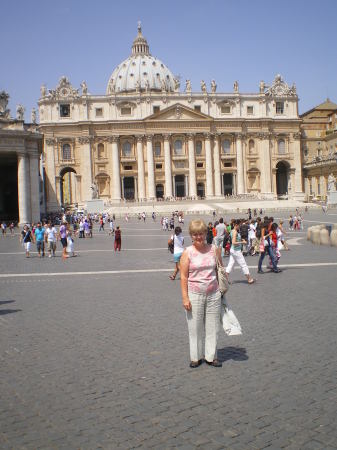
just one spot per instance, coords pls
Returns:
(140, 45)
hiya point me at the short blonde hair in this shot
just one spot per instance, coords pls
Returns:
(197, 226)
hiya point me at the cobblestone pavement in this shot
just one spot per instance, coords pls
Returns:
(101, 360)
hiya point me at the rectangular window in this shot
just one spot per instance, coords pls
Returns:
(200, 165)
(99, 112)
(250, 110)
(65, 110)
(227, 164)
(279, 107)
(225, 109)
(159, 166)
(156, 109)
(197, 108)
(127, 167)
(126, 111)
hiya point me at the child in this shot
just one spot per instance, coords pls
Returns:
(70, 245)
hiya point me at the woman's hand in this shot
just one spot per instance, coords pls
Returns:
(187, 304)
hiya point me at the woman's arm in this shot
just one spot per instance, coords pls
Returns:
(234, 241)
(184, 265)
(218, 255)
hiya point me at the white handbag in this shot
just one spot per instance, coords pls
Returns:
(230, 323)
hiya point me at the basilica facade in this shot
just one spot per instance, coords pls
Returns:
(148, 138)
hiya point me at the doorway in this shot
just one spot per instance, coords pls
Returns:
(179, 182)
(282, 178)
(227, 184)
(129, 188)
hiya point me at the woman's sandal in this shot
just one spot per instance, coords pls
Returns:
(194, 364)
(251, 281)
(172, 277)
(214, 363)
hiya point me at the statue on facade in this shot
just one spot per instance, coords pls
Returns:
(213, 86)
(33, 116)
(176, 84)
(84, 88)
(147, 86)
(203, 87)
(163, 86)
(188, 87)
(4, 112)
(20, 111)
(236, 87)
(111, 86)
(43, 90)
(94, 191)
(137, 86)
(331, 183)
(262, 87)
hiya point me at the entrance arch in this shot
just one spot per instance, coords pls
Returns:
(201, 190)
(129, 188)
(282, 178)
(67, 186)
(179, 183)
(159, 191)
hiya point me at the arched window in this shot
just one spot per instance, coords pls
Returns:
(178, 147)
(100, 151)
(66, 152)
(251, 146)
(198, 147)
(126, 149)
(226, 146)
(157, 149)
(281, 146)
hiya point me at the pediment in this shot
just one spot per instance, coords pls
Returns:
(179, 112)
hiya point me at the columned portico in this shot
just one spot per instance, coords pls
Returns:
(116, 174)
(168, 170)
(266, 188)
(141, 170)
(209, 172)
(34, 186)
(24, 189)
(151, 191)
(192, 192)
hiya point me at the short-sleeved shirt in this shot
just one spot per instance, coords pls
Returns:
(178, 243)
(201, 271)
(39, 234)
(63, 231)
(220, 230)
(51, 234)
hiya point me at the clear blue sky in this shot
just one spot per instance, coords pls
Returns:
(228, 40)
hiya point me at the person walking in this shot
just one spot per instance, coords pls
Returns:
(178, 247)
(201, 296)
(235, 254)
(51, 237)
(266, 247)
(220, 233)
(118, 240)
(63, 239)
(26, 239)
(39, 239)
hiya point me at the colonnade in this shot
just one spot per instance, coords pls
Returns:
(28, 187)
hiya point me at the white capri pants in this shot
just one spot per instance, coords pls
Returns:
(204, 318)
(236, 256)
(27, 246)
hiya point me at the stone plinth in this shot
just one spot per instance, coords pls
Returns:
(332, 198)
(95, 206)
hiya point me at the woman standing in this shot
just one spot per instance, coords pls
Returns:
(118, 240)
(178, 245)
(26, 239)
(235, 254)
(201, 295)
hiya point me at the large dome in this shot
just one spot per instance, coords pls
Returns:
(141, 72)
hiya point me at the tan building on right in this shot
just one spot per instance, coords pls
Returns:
(319, 149)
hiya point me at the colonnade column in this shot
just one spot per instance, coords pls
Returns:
(151, 191)
(209, 173)
(217, 170)
(168, 169)
(23, 189)
(141, 170)
(86, 167)
(296, 147)
(191, 167)
(266, 188)
(239, 165)
(34, 186)
(49, 150)
(116, 174)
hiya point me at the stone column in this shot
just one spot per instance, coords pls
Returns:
(49, 149)
(151, 190)
(116, 173)
(122, 183)
(266, 168)
(34, 186)
(78, 188)
(217, 170)
(24, 189)
(239, 164)
(141, 169)
(209, 173)
(86, 167)
(296, 149)
(191, 167)
(168, 168)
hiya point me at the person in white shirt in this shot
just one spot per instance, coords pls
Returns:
(178, 244)
(51, 237)
(251, 238)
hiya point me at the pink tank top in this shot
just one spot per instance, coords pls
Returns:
(201, 272)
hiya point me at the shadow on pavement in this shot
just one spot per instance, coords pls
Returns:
(4, 302)
(234, 353)
(7, 311)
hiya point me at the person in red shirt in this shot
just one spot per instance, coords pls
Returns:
(118, 240)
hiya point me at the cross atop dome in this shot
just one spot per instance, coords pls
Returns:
(140, 45)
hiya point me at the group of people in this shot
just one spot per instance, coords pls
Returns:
(46, 235)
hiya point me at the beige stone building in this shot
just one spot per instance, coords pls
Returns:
(319, 149)
(20, 151)
(148, 139)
